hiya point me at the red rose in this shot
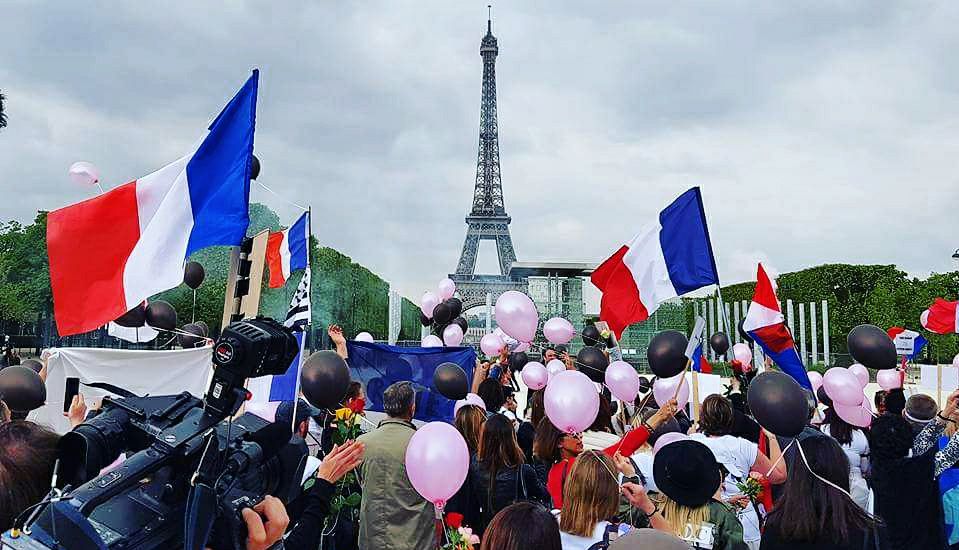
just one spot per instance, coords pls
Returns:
(454, 520)
(356, 405)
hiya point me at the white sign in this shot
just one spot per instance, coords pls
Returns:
(929, 374)
(905, 342)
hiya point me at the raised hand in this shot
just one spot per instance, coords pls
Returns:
(341, 460)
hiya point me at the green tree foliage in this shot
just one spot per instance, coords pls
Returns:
(24, 271)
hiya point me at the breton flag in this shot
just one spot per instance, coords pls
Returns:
(700, 364)
(298, 316)
(110, 253)
(765, 323)
(908, 342)
(942, 317)
(286, 251)
(668, 258)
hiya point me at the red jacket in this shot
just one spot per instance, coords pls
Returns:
(629, 444)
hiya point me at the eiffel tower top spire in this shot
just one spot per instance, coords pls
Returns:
(488, 191)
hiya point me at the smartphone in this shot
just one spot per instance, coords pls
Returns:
(603, 326)
(72, 389)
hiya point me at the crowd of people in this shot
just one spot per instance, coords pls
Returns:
(644, 475)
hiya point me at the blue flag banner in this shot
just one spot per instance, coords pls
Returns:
(378, 366)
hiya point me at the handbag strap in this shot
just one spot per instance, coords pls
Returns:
(520, 484)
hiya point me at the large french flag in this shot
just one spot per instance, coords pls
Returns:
(286, 251)
(110, 253)
(765, 323)
(942, 317)
(668, 258)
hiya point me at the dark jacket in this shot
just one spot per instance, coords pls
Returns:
(305, 535)
(524, 436)
(869, 540)
(507, 489)
(907, 500)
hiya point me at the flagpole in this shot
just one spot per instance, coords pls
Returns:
(722, 309)
(309, 323)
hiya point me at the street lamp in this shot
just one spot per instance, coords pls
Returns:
(955, 258)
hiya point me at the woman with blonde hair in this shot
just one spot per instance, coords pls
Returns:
(469, 422)
(591, 502)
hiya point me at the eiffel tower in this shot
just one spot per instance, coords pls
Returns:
(487, 219)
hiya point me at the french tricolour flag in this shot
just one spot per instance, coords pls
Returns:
(942, 317)
(282, 387)
(286, 251)
(700, 364)
(908, 342)
(668, 258)
(110, 253)
(765, 323)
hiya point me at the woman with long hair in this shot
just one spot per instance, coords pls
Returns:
(689, 481)
(856, 446)
(469, 422)
(527, 429)
(738, 456)
(522, 526)
(816, 511)
(498, 475)
(561, 449)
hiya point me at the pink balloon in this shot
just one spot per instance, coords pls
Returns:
(815, 379)
(516, 315)
(622, 381)
(665, 388)
(452, 335)
(83, 173)
(431, 341)
(363, 337)
(446, 289)
(555, 367)
(924, 318)
(860, 373)
(429, 301)
(491, 344)
(523, 346)
(889, 379)
(668, 438)
(857, 415)
(535, 375)
(471, 399)
(843, 387)
(558, 330)
(572, 401)
(743, 355)
(437, 447)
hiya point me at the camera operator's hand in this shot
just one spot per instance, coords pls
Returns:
(340, 461)
(77, 412)
(264, 534)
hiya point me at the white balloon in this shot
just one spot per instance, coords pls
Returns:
(84, 173)
(432, 341)
(364, 337)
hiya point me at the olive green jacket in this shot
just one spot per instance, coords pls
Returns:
(393, 516)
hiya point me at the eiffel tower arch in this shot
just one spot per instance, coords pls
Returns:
(487, 219)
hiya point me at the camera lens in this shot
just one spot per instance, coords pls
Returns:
(92, 446)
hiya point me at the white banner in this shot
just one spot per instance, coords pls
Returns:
(929, 377)
(142, 372)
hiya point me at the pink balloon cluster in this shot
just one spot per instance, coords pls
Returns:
(444, 291)
(437, 447)
(845, 388)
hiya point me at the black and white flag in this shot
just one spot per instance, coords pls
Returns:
(300, 310)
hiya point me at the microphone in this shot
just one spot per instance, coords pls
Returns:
(260, 445)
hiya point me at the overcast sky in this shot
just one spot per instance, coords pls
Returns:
(819, 132)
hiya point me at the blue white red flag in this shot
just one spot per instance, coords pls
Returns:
(110, 253)
(908, 342)
(700, 364)
(286, 251)
(281, 387)
(668, 258)
(765, 323)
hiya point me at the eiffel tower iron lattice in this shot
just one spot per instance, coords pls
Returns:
(488, 219)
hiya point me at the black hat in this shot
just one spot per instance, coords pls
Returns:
(284, 412)
(687, 472)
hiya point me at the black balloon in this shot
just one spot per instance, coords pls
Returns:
(742, 332)
(462, 323)
(450, 380)
(719, 342)
(591, 336)
(204, 326)
(442, 313)
(592, 362)
(325, 379)
(644, 385)
(194, 339)
(778, 403)
(255, 168)
(424, 320)
(134, 318)
(161, 315)
(22, 389)
(666, 353)
(455, 305)
(193, 275)
(871, 346)
(518, 360)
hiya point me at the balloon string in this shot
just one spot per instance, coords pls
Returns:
(779, 459)
(802, 453)
(281, 197)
